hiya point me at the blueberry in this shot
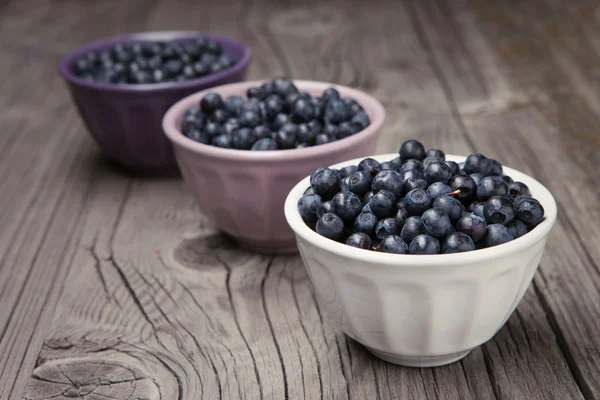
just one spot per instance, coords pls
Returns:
(346, 205)
(476, 177)
(346, 129)
(428, 160)
(211, 102)
(435, 153)
(414, 183)
(450, 206)
(219, 116)
(308, 191)
(201, 68)
(279, 120)
(457, 242)
(223, 141)
(370, 166)
(234, 105)
(273, 106)
(437, 189)
(490, 186)
(417, 201)
(387, 227)
(192, 123)
(361, 119)
(412, 149)
(256, 92)
(411, 229)
(322, 139)
(212, 129)
(267, 87)
(331, 94)
(352, 105)
(497, 234)
(360, 240)
(507, 179)
(478, 210)
(198, 136)
(283, 86)
(466, 185)
(305, 134)
(141, 77)
(249, 119)
(498, 210)
(308, 205)
(472, 225)
(213, 47)
(517, 189)
(225, 61)
(453, 167)
(436, 223)
(242, 139)
(319, 106)
(303, 111)
(327, 207)
(336, 112)
(326, 183)
(301, 145)
(367, 197)
(331, 226)
(365, 223)
(286, 136)
(189, 72)
(383, 204)
(388, 165)
(424, 244)
(261, 132)
(331, 131)
(393, 244)
(437, 172)
(477, 164)
(388, 180)
(529, 211)
(412, 174)
(495, 168)
(344, 182)
(347, 171)
(193, 111)
(360, 183)
(264, 144)
(402, 214)
(517, 228)
(173, 67)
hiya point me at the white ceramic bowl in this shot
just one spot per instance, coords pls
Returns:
(421, 310)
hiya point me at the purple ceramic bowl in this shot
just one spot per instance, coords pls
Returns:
(242, 191)
(125, 120)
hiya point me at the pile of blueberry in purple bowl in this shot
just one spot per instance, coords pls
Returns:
(122, 87)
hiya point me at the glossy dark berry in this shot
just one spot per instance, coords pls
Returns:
(457, 242)
(478, 210)
(331, 226)
(256, 92)
(389, 165)
(490, 186)
(366, 222)
(367, 197)
(308, 205)
(211, 102)
(388, 180)
(212, 129)
(435, 153)
(453, 167)
(279, 120)
(303, 111)
(417, 201)
(286, 136)
(361, 119)
(346, 205)
(437, 172)
(223, 141)
(424, 244)
(411, 229)
(336, 112)
(198, 136)
(283, 86)
(477, 163)
(402, 214)
(412, 164)
(192, 122)
(476, 177)
(436, 223)
(472, 225)
(326, 183)
(331, 94)
(249, 119)
(529, 211)
(507, 179)
(517, 228)
(428, 160)
(497, 234)
(261, 131)
(495, 168)
(387, 227)
(360, 183)
(323, 139)
(412, 149)
(234, 105)
(305, 134)
(467, 187)
(415, 183)
(393, 244)
(326, 207)
(517, 189)
(347, 129)
(219, 116)
(370, 166)
(437, 189)
(498, 210)
(411, 174)
(360, 240)
(242, 139)
(449, 205)
(383, 204)
(347, 171)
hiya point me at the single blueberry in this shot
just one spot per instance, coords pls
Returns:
(495, 168)
(387, 165)
(370, 166)
(383, 204)
(261, 131)
(412, 149)
(412, 174)
(367, 197)
(223, 141)
(417, 201)
(198, 136)
(352, 105)
(507, 179)
(201, 68)
(327, 207)
(308, 205)
(472, 225)
(213, 47)
(283, 86)
(478, 210)
(435, 153)
(331, 226)
(497, 234)
(234, 105)
(322, 139)
(249, 119)
(242, 139)
(453, 167)
(272, 106)
(225, 61)
(212, 129)
(331, 130)
(411, 229)
(308, 191)
(319, 106)
(387, 227)
(437, 223)
(388, 180)
(466, 187)
(211, 102)
(393, 244)
(173, 67)
(331, 94)
(302, 111)
(305, 134)
(267, 87)
(477, 164)
(219, 116)
(256, 92)
(450, 206)
(498, 210)
(326, 183)
(517, 228)
(360, 183)
(346, 205)
(230, 126)
(360, 240)
(414, 183)
(476, 177)
(457, 242)
(346, 129)
(361, 119)
(365, 223)
(264, 144)
(193, 111)
(490, 186)
(437, 189)
(529, 211)
(427, 161)
(286, 136)
(347, 171)
(192, 123)
(517, 189)
(279, 120)
(336, 112)
(424, 244)
(438, 172)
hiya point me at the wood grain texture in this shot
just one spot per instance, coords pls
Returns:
(133, 292)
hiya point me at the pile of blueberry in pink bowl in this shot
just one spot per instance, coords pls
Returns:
(122, 87)
(242, 147)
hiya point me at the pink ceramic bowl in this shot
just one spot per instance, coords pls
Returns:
(242, 191)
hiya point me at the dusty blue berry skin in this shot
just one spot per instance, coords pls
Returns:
(411, 164)
(388, 180)
(347, 171)
(476, 177)
(223, 141)
(498, 210)
(393, 244)
(427, 161)
(383, 204)
(424, 244)
(438, 189)
(331, 226)
(497, 234)
(417, 201)
(360, 183)
(308, 205)
(490, 186)
(360, 240)
(326, 183)
(411, 229)
(370, 166)
(435, 153)
(529, 211)
(412, 149)
(401, 215)
(437, 172)
(386, 227)
(243, 139)
(472, 225)
(436, 223)
(414, 183)
(517, 189)
(346, 205)
(517, 228)
(477, 164)
(449, 205)
(478, 210)
(365, 223)
(495, 168)
(367, 197)
(457, 242)
(326, 207)
(453, 167)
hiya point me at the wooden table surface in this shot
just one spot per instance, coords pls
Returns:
(119, 282)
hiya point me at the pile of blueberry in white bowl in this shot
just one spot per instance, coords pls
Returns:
(420, 256)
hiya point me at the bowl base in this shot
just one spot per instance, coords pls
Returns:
(418, 361)
(274, 247)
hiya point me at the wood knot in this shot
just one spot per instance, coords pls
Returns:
(89, 379)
